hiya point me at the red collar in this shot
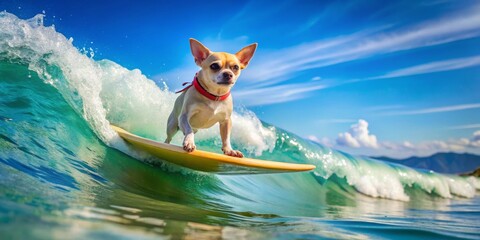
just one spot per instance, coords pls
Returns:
(203, 91)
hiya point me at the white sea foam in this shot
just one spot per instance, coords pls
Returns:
(57, 62)
(378, 179)
(104, 92)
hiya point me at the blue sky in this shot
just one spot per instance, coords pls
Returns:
(395, 78)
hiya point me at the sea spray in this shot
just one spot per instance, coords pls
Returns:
(57, 62)
(103, 92)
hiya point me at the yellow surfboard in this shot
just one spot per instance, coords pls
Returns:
(208, 161)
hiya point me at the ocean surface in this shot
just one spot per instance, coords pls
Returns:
(65, 174)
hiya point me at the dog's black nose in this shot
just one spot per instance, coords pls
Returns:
(227, 76)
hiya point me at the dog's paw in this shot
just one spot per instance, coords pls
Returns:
(189, 145)
(233, 153)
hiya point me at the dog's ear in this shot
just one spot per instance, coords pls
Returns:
(199, 51)
(246, 54)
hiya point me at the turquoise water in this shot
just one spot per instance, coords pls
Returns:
(65, 174)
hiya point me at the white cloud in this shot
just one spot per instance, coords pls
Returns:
(381, 108)
(468, 126)
(438, 66)
(271, 67)
(337, 120)
(435, 109)
(275, 94)
(313, 138)
(475, 141)
(324, 141)
(476, 135)
(359, 139)
(346, 139)
(358, 136)
(317, 54)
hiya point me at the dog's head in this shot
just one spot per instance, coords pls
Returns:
(220, 70)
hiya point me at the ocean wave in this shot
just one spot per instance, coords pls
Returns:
(103, 92)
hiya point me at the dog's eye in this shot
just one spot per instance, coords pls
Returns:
(236, 67)
(215, 66)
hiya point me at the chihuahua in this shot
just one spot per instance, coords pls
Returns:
(207, 99)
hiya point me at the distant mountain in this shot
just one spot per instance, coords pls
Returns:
(440, 162)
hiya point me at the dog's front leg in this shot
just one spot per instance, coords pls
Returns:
(225, 129)
(188, 141)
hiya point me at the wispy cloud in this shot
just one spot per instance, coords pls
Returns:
(337, 120)
(468, 126)
(438, 66)
(288, 61)
(381, 108)
(275, 94)
(435, 109)
(271, 67)
(329, 13)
